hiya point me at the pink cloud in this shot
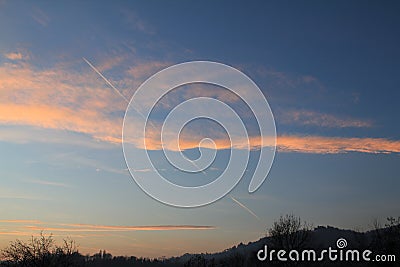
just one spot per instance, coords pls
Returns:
(15, 56)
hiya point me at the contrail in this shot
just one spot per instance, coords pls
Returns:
(127, 101)
(105, 79)
(116, 90)
(246, 208)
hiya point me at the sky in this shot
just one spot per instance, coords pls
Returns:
(330, 73)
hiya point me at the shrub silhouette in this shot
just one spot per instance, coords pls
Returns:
(40, 251)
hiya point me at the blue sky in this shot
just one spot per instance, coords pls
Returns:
(330, 72)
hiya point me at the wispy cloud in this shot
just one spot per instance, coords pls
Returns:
(143, 69)
(20, 134)
(16, 196)
(59, 99)
(112, 228)
(297, 144)
(285, 143)
(15, 233)
(40, 16)
(111, 62)
(15, 56)
(79, 160)
(135, 22)
(143, 170)
(49, 183)
(21, 221)
(34, 225)
(312, 118)
(334, 145)
(61, 118)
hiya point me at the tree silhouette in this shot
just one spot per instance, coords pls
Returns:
(290, 233)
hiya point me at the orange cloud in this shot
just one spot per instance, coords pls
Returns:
(63, 99)
(289, 143)
(14, 56)
(59, 99)
(330, 145)
(83, 121)
(80, 102)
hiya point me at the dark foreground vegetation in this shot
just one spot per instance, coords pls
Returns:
(288, 233)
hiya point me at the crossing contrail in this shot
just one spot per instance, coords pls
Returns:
(105, 79)
(246, 208)
(115, 89)
(127, 101)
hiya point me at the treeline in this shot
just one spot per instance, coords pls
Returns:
(79, 260)
(287, 233)
(42, 251)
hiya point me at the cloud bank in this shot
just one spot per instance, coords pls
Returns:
(72, 98)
